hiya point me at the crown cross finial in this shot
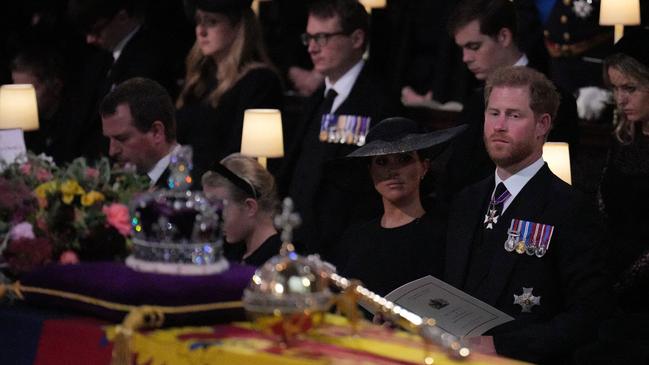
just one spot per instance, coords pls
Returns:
(287, 221)
(180, 167)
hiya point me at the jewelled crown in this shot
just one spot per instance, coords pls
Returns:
(177, 231)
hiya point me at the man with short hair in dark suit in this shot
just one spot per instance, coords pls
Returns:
(126, 46)
(524, 241)
(138, 118)
(487, 31)
(336, 35)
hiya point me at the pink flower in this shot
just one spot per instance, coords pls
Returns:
(43, 175)
(69, 257)
(22, 230)
(26, 168)
(92, 173)
(117, 216)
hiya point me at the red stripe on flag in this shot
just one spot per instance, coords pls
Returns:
(73, 341)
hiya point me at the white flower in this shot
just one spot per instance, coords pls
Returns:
(592, 101)
(22, 230)
(46, 158)
(21, 159)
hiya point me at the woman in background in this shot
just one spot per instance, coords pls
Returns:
(624, 189)
(250, 200)
(624, 199)
(227, 72)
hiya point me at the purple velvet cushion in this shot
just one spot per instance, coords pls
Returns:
(117, 283)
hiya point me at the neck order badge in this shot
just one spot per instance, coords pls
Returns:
(496, 205)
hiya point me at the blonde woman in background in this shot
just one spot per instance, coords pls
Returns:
(250, 200)
(624, 189)
(624, 198)
(228, 72)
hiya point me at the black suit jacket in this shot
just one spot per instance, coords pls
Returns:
(570, 278)
(145, 55)
(161, 183)
(328, 208)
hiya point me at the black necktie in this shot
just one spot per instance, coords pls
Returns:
(496, 205)
(328, 101)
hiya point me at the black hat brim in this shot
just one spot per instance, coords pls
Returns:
(408, 143)
(351, 173)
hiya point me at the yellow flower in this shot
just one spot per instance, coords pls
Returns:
(42, 190)
(69, 189)
(92, 198)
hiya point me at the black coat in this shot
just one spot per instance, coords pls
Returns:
(269, 248)
(215, 133)
(624, 193)
(570, 278)
(265, 252)
(411, 251)
(327, 208)
(161, 183)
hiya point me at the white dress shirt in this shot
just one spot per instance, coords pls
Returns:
(343, 86)
(523, 61)
(160, 166)
(516, 182)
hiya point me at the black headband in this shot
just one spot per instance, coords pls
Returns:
(239, 182)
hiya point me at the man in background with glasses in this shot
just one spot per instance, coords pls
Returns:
(336, 38)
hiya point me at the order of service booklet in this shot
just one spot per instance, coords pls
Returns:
(454, 311)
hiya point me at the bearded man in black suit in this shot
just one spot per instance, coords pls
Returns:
(522, 240)
(336, 37)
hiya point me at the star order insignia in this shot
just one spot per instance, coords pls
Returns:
(527, 300)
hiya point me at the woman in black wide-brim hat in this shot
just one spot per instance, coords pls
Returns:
(405, 242)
